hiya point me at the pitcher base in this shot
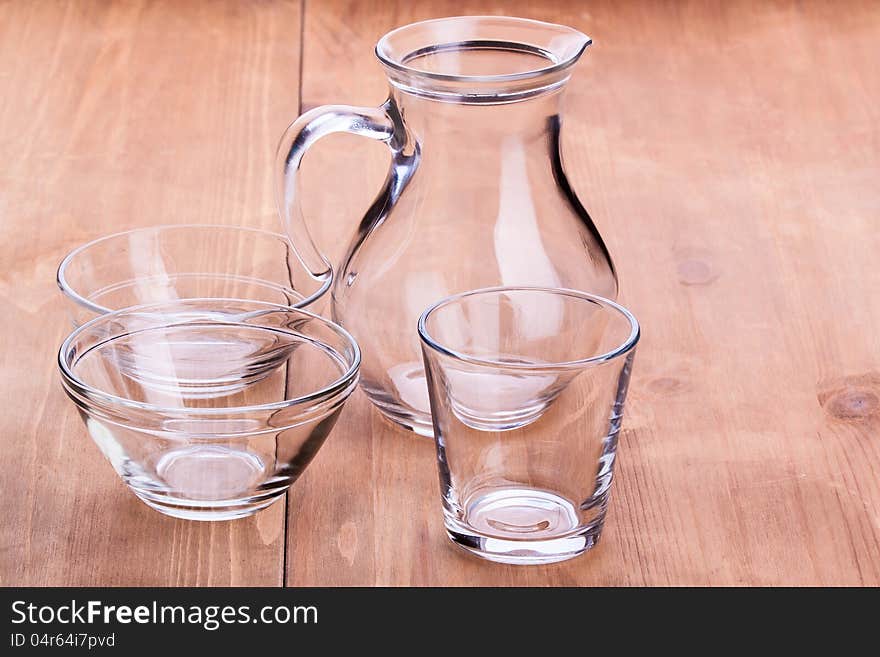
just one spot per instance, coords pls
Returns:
(408, 423)
(408, 418)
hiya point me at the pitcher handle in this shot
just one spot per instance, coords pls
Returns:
(379, 123)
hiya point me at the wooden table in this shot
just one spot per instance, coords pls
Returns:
(730, 153)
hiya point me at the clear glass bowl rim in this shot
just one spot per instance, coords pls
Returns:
(383, 55)
(625, 347)
(82, 301)
(330, 391)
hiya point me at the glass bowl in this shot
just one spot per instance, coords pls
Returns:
(164, 263)
(209, 408)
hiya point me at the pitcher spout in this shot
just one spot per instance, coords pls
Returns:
(567, 44)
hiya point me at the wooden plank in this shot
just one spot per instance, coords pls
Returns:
(115, 116)
(729, 153)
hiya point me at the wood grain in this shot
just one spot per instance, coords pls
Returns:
(730, 155)
(117, 115)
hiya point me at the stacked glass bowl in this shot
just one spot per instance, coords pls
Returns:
(196, 367)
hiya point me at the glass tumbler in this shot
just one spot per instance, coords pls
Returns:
(527, 387)
(208, 409)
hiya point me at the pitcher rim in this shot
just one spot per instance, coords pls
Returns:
(382, 51)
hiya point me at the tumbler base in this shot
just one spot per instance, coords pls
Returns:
(522, 526)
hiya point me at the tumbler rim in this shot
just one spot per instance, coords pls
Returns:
(346, 380)
(625, 347)
(68, 290)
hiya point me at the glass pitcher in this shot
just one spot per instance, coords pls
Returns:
(476, 195)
